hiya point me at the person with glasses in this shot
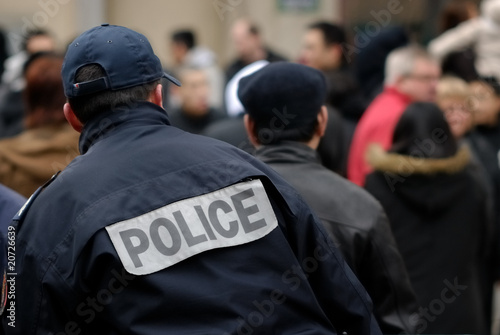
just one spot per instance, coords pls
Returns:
(411, 75)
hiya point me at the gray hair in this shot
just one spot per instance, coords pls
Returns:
(401, 61)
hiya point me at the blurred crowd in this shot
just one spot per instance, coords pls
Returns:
(416, 126)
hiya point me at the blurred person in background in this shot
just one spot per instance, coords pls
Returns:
(186, 53)
(465, 106)
(195, 112)
(249, 47)
(468, 108)
(411, 74)
(456, 99)
(438, 210)
(459, 63)
(13, 81)
(481, 33)
(351, 216)
(453, 98)
(181, 43)
(34, 41)
(322, 50)
(48, 143)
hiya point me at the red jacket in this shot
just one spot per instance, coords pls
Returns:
(376, 126)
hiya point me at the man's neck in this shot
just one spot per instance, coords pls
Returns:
(314, 142)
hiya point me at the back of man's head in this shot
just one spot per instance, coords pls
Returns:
(283, 100)
(109, 66)
(89, 106)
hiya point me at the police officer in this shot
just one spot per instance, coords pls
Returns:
(153, 230)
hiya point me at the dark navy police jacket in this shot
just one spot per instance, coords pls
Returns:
(157, 231)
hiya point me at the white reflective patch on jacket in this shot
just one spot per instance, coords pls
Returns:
(231, 216)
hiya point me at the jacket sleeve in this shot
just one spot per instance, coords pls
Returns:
(338, 291)
(387, 280)
(455, 39)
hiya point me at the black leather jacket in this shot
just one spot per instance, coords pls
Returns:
(358, 225)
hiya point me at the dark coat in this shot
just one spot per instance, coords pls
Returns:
(357, 224)
(194, 277)
(437, 210)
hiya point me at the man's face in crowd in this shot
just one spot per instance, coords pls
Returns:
(421, 83)
(245, 43)
(317, 54)
(194, 92)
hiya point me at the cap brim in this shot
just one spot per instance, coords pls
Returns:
(172, 79)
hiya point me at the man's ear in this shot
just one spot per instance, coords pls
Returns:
(70, 116)
(157, 96)
(250, 128)
(322, 121)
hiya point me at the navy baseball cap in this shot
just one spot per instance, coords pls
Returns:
(125, 55)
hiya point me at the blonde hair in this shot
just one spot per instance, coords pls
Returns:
(452, 87)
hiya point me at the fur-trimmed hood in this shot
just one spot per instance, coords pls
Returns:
(425, 184)
(384, 161)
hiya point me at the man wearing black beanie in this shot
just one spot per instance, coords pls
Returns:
(285, 120)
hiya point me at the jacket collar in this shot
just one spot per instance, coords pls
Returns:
(102, 126)
(287, 152)
(384, 161)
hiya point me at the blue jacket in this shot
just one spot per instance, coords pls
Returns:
(157, 231)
